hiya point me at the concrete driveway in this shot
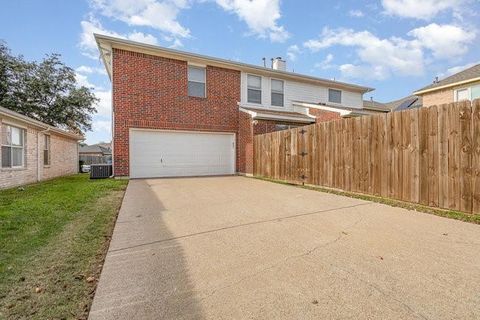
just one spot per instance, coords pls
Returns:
(240, 248)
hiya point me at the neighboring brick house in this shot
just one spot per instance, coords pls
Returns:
(33, 151)
(182, 114)
(464, 85)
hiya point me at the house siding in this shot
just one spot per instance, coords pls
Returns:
(298, 91)
(150, 92)
(63, 156)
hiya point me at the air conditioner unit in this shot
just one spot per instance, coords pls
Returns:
(100, 171)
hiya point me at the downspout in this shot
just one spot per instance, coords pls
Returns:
(38, 153)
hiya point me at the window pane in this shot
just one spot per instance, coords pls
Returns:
(254, 96)
(47, 143)
(17, 136)
(6, 157)
(277, 85)
(277, 99)
(334, 96)
(196, 74)
(196, 89)
(46, 157)
(6, 134)
(254, 82)
(476, 92)
(462, 95)
(17, 157)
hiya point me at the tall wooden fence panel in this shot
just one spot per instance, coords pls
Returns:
(428, 155)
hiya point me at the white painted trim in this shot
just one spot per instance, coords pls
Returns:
(198, 65)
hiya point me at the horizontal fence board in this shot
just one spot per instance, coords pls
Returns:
(428, 155)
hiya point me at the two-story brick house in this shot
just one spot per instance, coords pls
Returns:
(182, 114)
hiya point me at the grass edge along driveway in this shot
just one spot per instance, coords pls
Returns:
(53, 239)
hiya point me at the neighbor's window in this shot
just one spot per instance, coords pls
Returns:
(254, 89)
(475, 92)
(462, 95)
(46, 151)
(334, 96)
(277, 93)
(196, 82)
(13, 147)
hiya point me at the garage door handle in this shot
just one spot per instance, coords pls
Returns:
(161, 160)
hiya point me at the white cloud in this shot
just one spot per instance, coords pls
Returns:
(260, 16)
(102, 126)
(457, 69)
(355, 13)
(160, 15)
(292, 52)
(393, 55)
(82, 81)
(104, 106)
(325, 63)
(380, 58)
(365, 72)
(445, 41)
(142, 37)
(90, 70)
(88, 44)
(424, 9)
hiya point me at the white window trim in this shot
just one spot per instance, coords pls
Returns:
(204, 79)
(23, 147)
(272, 91)
(469, 90)
(261, 89)
(341, 96)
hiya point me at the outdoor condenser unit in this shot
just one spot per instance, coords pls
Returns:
(100, 171)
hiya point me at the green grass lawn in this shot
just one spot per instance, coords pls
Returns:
(53, 237)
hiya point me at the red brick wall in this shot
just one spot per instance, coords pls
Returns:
(324, 116)
(245, 143)
(151, 92)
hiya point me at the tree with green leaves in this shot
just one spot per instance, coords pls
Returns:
(46, 91)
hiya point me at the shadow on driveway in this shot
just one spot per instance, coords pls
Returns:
(143, 277)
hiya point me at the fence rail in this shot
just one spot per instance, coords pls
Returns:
(428, 155)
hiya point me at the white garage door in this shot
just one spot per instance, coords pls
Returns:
(178, 153)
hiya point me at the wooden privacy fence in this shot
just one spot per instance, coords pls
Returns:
(428, 155)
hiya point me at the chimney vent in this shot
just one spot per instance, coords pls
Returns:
(279, 64)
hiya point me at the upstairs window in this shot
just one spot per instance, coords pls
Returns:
(196, 82)
(46, 151)
(334, 96)
(277, 93)
(254, 89)
(13, 147)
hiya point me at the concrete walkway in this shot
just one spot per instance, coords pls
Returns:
(239, 248)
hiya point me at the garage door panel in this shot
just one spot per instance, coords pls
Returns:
(170, 154)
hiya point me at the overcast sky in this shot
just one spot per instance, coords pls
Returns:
(395, 46)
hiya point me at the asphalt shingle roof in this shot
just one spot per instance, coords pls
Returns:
(470, 73)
